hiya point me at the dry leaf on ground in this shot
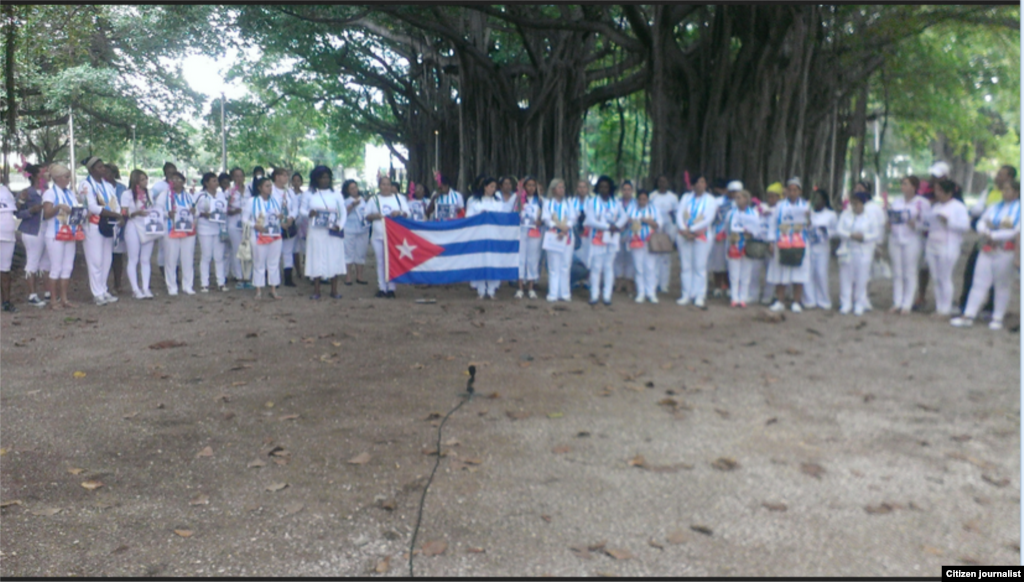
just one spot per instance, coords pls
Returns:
(435, 548)
(288, 417)
(92, 485)
(881, 508)
(360, 459)
(383, 566)
(517, 415)
(619, 554)
(185, 533)
(561, 449)
(475, 550)
(45, 511)
(9, 503)
(774, 506)
(546, 518)
(701, 529)
(256, 463)
(293, 508)
(167, 344)
(654, 544)
(79, 374)
(581, 552)
(276, 486)
(725, 464)
(813, 469)
(76, 471)
(998, 482)
(206, 452)
(200, 500)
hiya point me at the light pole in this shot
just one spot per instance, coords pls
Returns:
(223, 136)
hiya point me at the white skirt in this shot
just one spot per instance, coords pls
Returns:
(325, 254)
(779, 274)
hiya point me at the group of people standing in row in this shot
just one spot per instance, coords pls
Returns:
(256, 231)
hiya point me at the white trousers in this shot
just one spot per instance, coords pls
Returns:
(853, 280)
(6, 255)
(485, 287)
(624, 264)
(175, 250)
(139, 254)
(266, 264)
(211, 249)
(36, 258)
(816, 290)
(99, 252)
(693, 266)
(993, 268)
(905, 258)
(941, 267)
(645, 272)
(382, 277)
(160, 255)
(740, 271)
(602, 265)
(288, 253)
(529, 257)
(559, 267)
(231, 252)
(62, 258)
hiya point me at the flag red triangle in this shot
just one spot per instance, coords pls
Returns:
(406, 249)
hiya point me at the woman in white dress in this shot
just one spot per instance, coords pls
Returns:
(530, 232)
(624, 264)
(212, 206)
(946, 223)
(136, 203)
(644, 220)
(485, 200)
(264, 216)
(325, 247)
(788, 231)
(60, 236)
(605, 218)
(860, 232)
(559, 217)
(356, 236)
(8, 236)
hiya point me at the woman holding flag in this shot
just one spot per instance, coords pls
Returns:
(531, 229)
(485, 200)
(559, 216)
(695, 214)
(325, 247)
(384, 203)
(644, 219)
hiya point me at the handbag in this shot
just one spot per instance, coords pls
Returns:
(791, 257)
(107, 225)
(660, 242)
(755, 249)
(244, 253)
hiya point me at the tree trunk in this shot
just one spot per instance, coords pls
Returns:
(12, 102)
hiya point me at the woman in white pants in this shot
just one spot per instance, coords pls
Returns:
(212, 206)
(289, 202)
(385, 203)
(860, 232)
(30, 211)
(357, 238)
(694, 216)
(605, 218)
(742, 223)
(301, 221)
(530, 232)
(999, 228)
(136, 204)
(485, 200)
(817, 291)
(238, 198)
(325, 251)
(8, 236)
(60, 242)
(759, 271)
(946, 223)
(643, 222)
(559, 216)
(667, 202)
(789, 228)
(906, 243)
(624, 269)
(99, 196)
(180, 243)
(264, 216)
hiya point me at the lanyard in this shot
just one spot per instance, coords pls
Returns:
(694, 208)
(258, 205)
(1012, 210)
(551, 208)
(635, 212)
(173, 201)
(102, 190)
(57, 190)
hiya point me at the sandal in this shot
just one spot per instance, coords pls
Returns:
(360, 282)
(335, 295)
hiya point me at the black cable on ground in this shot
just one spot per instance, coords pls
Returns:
(419, 516)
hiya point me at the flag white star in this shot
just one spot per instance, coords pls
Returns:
(405, 249)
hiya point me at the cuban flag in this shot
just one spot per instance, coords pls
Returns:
(484, 247)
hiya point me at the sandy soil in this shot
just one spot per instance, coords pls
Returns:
(820, 445)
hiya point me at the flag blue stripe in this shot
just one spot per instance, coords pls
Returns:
(457, 276)
(495, 218)
(481, 246)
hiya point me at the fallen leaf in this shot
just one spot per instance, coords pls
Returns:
(546, 518)
(619, 554)
(452, 442)
(494, 395)
(3, 452)
(813, 469)
(599, 546)
(582, 434)
(269, 404)
(432, 416)
(10, 503)
(76, 471)
(79, 374)
(200, 499)
(45, 511)
(927, 408)
(92, 485)
(666, 366)
(555, 415)
(239, 383)
(774, 506)
(276, 486)
(206, 452)
(389, 505)
(725, 464)
(561, 449)
(383, 566)
(672, 402)
(793, 352)
(961, 437)
(998, 482)
(969, 560)
(228, 415)
(932, 550)
(279, 451)
(185, 533)
(360, 459)
(771, 420)
(167, 344)
(637, 461)
(581, 552)
(475, 550)
(517, 415)
(256, 463)
(288, 417)
(881, 508)
(655, 544)
(701, 529)
(721, 412)
(472, 460)
(435, 548)
(293, 508)
(675, 468)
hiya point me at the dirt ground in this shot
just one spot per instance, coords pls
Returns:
(292, 438)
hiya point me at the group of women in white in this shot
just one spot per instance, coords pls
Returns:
(252, 232)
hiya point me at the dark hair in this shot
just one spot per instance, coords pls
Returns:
(611, 185)
(868, 187)
(114, 171)
(640, 191)
(658, 179)
(862, 196)
(344, 188)
(206, 177)
(508, 177)
(277, 172)
(257, 184)
(1010, 170)
(482, 182)
(314, 178)
(624, 182)
(947, 185)
(914, 181)
(1015, 184)
(397, 185)
(177, 174)
(255, 190)
(168, 166)
(236, 169)
(823, 193)
(297, 174)
(444, 181)
(34, 169)
(696, 178)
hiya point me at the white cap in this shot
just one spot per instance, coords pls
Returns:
(795, 181)
(939, 169)
(734, 186)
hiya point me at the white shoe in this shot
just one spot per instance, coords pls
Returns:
(844, 311)
(653, 298)
(552, 299)
(148, 294)
(480, 296)
(100, 300)
(224, 289)
(173, 293)
(858, 312)
(962, 322)
(683, 301)
(806, 306)
(995, 325)
(204, 290)
(795, 308)
(110, 298)
(532, 294)
(139, 295)
(777, 307)
(188, 292)
(519, 294)
(639, 299)
(699, 303)
(491, 297)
